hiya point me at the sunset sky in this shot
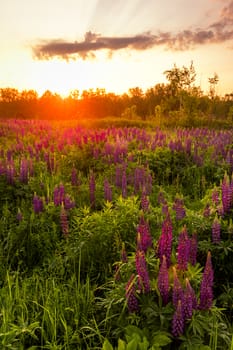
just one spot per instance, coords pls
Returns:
(81, 44)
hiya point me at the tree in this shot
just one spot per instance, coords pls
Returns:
(213, 83)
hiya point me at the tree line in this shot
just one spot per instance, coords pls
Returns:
(179, 98)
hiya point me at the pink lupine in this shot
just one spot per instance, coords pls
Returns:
(163, 280)
(145, 202)
(178, 206)
(38, 205)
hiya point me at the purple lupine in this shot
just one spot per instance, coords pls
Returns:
(206, 289)
(58, 195)
(165, 241)
(189, 300)
(178, 206)
(124, 258)
(124, 184)
(226, 193)
(215, 197)
(107, 191)
(68, 202)
(193, 249)
(10, 172)
(38, 205)
(177, 291)
(92, 186)
(144, 237)
(183, 250)
(143, 275)
(145, 202)
(163, 280)
(206, 212)
(216, 230)
(178, 321)
(74, 177)
(130, 293)
(64, 222)
(23, 172)
(19, 216)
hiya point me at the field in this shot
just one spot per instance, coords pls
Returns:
(115, 237)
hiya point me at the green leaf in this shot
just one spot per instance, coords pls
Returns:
(132, 345)
(144, 344)
(121, 344)
(107, 345)
(161, 340)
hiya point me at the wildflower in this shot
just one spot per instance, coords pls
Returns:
(144, 236)
(92, 190)
(38, 205)
(165, 241)
(143, 275)
(74, 177)
(124, 258)
(145, 202)
(107, 191)
(177, 292)
(206, 211)
(216, 227)
(178, 321)
(163, 280)
(132, 301)
(19, 216)
(206, 289)
(178, 206)
(189, 300)
(226, 194)
(58, 195)
(215, 197)
(23, 175)
(193, 249)
(124, 184)
(183, 250)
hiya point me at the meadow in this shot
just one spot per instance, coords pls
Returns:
(115, 237)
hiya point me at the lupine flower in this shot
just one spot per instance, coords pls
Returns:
(124, 258)
(215, 197)
(107, 191)
(143, 275)
(183, 250)
(226, 194)
(23, 173)
(177, 291)
(64, 222)
(132, 301)
(165, 241)
(178, 321)
(92, 190)
(124, 184)
(216, 227)
(19, 216)
(145, 202)
(178, 206)
(189, 300)
(163, 280)
(206, 212)
(193, 249)
(38, 205)
(58, 195)
(10, 172)
(68, 202)
(206, 289)
(144, 239)
(74, 177)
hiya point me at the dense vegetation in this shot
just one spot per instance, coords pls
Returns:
(115, 237)
(178, 103)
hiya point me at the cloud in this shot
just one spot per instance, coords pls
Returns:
(218, 32)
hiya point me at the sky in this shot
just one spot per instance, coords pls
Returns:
(81, 44)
